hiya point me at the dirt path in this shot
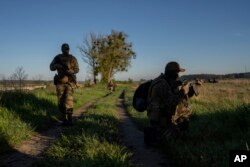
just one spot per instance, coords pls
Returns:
(133, 138)
(31, 150)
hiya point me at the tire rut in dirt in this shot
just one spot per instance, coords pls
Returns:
(31, 150)
(133, 139)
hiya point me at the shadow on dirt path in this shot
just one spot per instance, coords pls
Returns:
(31, 150)
(133, 138)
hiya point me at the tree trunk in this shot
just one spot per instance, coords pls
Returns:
(94, 77)
(20, 84)
(93, 72)
(110, 73)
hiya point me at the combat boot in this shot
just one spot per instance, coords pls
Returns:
(151, 136)
(64, 120)
(69, 118)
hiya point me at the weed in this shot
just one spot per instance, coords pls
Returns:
(220, 122)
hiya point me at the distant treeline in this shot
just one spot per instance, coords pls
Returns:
(217, 77)
(8, 82)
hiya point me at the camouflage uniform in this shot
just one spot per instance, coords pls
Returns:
(111, 86)
(65, 81)
(167, 104)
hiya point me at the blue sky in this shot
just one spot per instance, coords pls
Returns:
(204, 36)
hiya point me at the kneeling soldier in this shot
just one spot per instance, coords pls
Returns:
(167, 109)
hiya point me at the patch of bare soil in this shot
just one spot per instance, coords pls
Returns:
(31, 150)
(133, 138)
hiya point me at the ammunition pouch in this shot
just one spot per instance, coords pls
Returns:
(72, 78)
(60, 79)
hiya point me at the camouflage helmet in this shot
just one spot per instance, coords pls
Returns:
(173, 66)
(65, 47)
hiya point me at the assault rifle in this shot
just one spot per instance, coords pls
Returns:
(64, 70)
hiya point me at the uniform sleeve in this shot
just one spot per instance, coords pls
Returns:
(162, 97)
(75, 66)
(53, 65)
(169, 98)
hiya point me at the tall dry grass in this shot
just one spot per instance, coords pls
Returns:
(220, 122)
(226, 93)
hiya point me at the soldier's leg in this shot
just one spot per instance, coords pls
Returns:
(69, 116)
(60, 89)
(154, 116)
(151, 135)
(168, 129)
(69, 103)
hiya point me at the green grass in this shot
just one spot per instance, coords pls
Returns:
(140, 118)
(23, 113)
(220, 122)
(211, 136)
(12, 129)
(93, 141)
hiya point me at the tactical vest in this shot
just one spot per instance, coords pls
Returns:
(63, 77)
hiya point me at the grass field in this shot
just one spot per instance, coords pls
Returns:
(24, 113)
(93, 142)
(220, 122)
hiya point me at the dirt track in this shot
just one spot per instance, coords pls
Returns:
(31, 150)
(133, 138)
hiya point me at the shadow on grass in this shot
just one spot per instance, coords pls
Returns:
(210, 138)
(26, 105)
(12, 157)
(100, 126)
(4, 144)
(23, 112)
(74, 148)
(37, 112)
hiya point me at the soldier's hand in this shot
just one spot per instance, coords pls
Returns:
(70, 71)
(58, 66)
(185, 88)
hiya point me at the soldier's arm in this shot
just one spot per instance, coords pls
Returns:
(168, 98)
(74, 66)
(53, 65)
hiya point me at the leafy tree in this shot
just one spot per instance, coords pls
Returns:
(115, 55)
(107, 55)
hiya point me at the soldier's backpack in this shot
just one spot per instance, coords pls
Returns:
(140, 96)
